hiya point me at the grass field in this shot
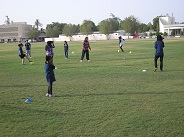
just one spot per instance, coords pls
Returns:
(107, 97)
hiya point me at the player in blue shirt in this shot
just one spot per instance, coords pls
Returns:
(49, 72)
(21, 53)
(159, 53)
(28, 48)
(66, 49)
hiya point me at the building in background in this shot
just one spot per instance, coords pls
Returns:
(15, 31)
(95, 36)
(167, 24)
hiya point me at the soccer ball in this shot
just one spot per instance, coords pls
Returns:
(31, 63)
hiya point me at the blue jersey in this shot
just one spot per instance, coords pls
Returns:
(49, 72)
(159, 45)
(66, 47)
(28, 46)
(20, 51)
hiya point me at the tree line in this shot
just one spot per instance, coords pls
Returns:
(130, 24)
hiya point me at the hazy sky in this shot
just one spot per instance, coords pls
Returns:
(75, 11)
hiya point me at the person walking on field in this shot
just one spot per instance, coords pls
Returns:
(85, 49)
(28, 48)
(66, 49)
(159, 53)
(121, 43)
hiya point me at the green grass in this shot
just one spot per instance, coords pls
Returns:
(107, 97)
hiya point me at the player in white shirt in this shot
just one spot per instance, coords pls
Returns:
(121, 43)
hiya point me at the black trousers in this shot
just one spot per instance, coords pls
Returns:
(66, 54)
(161, 61)
(50, 88)
(121, 48)
(83, 54)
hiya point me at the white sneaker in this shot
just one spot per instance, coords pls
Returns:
(46, 94)
(88, 60)
(80, 60)
(51, 95)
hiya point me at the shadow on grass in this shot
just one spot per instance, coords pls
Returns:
(18, 109)
(120, 94)
(21, 86)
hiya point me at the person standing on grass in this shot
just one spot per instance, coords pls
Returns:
(121, 43)
(21, 53)
(66, 49)
(49, 72)
(85, 49)
(28, 48)
(159, 53)
(49, 49)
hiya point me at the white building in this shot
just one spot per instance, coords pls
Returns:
(16, 31)
(167, 24)
(93, 37)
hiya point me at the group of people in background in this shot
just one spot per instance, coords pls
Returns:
(159, 53)
(49, 66)
(85, 49)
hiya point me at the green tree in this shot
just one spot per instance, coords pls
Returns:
(173, 33)
(108, 26)
(87, 27)
(59, 26)
(130, 24)
(33, 33)
(156, 24)
(165, 34)
(116, 19)
(150, 26)
(38, 24)
(70, 29)
(54, 29)
(142, 28)
(98, 27)
(49, 30)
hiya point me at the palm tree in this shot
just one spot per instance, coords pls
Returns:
(38, 24)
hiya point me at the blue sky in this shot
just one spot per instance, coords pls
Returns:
(75, 11)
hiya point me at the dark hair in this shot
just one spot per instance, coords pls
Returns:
(49, 42)
(20, 44)
(159, 38)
